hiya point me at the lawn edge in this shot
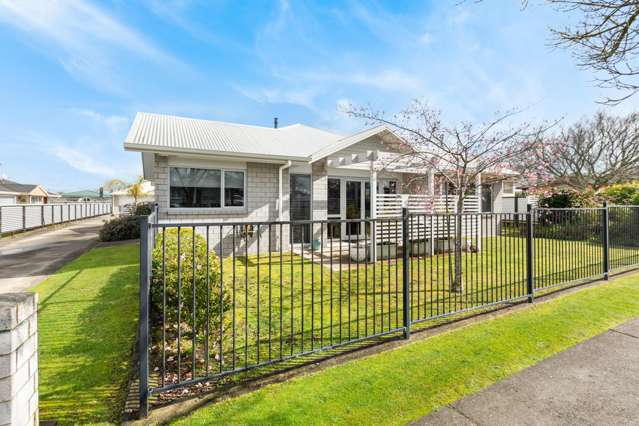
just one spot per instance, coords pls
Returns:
(182, 409)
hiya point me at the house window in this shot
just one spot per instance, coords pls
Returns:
(233, 189)
(509, 188)
(206, 188)
(386, 186)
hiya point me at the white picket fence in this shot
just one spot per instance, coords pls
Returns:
(22, 217)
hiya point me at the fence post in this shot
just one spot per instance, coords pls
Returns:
(24, 218)
(529, 254)
(143, 348)
(42, 216)
(406, 272)
(606, 242)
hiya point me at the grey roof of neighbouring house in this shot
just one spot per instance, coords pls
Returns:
(8, 186)
(88, 193)
(167, 133)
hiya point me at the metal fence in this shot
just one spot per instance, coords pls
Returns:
(23, 217)
(217, 299)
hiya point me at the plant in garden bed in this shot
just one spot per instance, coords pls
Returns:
(182, 271)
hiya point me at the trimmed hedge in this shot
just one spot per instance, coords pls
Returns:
(121, 228)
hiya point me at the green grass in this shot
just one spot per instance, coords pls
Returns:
(320, 307)
(401, 385)
(87, 325)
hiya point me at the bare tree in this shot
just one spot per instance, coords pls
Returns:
(605, 39)
(591, 153)
(458, 153)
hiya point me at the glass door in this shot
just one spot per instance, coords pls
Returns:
(301, 207)
(354, 209)
(334, 207)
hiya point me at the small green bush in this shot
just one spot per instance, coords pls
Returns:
(568, 199)
(165, 275)
(623, 194)
(142, 209)
(121, 228)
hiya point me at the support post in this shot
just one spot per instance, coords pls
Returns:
(373, 213)
(143, 332)
(529, 254)
(606, 241)
(479, 210)
(24, 218)
(42, 216)
(406, 272)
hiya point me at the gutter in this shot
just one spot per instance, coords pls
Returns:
(281, 195)
(201, 152)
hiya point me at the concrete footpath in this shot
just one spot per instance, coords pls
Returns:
(25, 260)
(595, 382)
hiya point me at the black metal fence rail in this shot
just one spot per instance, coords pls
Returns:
(217, 299)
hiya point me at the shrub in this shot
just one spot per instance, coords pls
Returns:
(623, 194)
(121, 228)
(568, 199)
(142, 209)
(170, 273)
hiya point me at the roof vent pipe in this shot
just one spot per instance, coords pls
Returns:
(275, 122)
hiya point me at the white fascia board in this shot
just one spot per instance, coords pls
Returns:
(189, 151)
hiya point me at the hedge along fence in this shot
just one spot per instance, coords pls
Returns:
(301, 298)
(23, 217)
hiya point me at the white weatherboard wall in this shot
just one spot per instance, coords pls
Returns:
(18, 359)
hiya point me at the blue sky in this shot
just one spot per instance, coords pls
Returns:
(74, 73)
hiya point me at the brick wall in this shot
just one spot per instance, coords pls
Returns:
(18, 359)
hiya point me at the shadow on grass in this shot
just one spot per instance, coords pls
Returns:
(86, 339)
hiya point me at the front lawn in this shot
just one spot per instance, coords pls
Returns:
(286, 304)
(402, 385)
(87, 325)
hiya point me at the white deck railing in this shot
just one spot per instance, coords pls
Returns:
(389, 206)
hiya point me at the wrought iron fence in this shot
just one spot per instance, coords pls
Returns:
(218, 299)
(23, 217)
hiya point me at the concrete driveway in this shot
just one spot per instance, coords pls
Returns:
(27, 260)
(593, 383)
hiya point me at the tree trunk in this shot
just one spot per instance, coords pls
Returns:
(457, 283)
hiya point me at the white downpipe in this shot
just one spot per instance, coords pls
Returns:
(281, 194)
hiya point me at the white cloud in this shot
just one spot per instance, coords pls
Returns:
(302, 97)
(425, 38)
(81, 161)
(82, 37)
(115, 123)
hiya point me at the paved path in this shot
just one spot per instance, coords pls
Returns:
(595, 382)
(26, 260)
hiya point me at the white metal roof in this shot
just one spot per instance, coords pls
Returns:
(158, 132)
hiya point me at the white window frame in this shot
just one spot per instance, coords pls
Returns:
(222, 208)
(503, 188)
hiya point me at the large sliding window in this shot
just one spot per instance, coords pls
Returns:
(206, 188)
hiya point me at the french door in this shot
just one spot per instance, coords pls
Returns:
(348, 198)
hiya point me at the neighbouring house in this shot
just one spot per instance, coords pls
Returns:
(86, 195)
(215, 171)
(21, 193)
(123, 201)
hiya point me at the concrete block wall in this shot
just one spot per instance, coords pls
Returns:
(18, 359)
(262, 193)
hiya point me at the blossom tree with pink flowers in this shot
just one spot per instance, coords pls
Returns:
(459, 153)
